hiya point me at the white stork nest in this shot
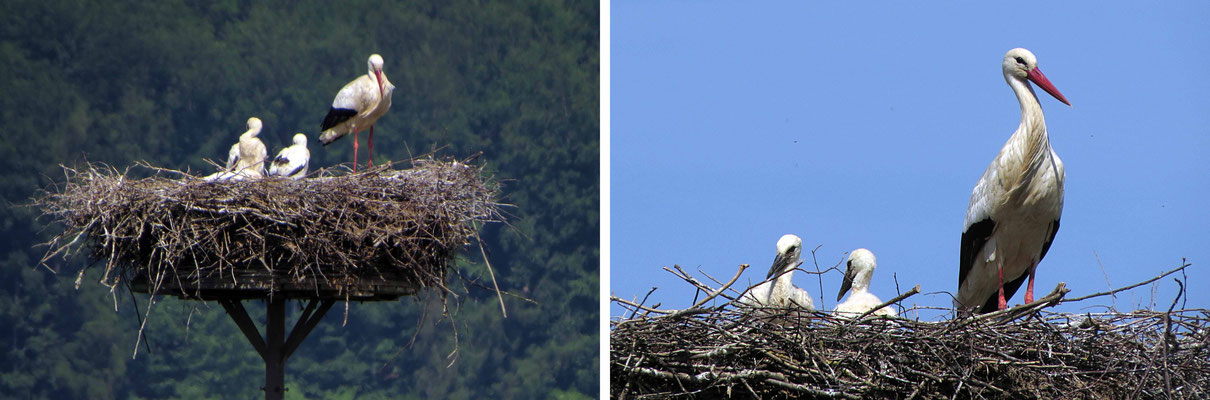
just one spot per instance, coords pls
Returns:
(356, 235)
(1021, 353)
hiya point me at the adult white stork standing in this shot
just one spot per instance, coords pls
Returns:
(858, 272)
(1015, 208)
(293, 161)
(778, 291)
(357, 106)
(246, 158)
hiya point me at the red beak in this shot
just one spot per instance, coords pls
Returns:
(378, 74)
(1037, 78)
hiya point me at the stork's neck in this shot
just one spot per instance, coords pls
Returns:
(784, 280)
(1033, 124)
(861, 283)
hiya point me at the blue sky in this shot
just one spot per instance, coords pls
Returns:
(733, 123)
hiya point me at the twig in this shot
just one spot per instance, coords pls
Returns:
(499, 297)
(644, 301)
(889, 302)
(742, 267)
(1012, 313)
(1167, 336)
(1183, 266)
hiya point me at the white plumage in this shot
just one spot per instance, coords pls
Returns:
(778, 291)
(232, 156)
(1015, 207)
(357, 106)
(857, 277)
(246, 159)
(293, 161)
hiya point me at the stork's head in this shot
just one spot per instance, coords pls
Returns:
(300, 139)
(1021, 64)
(789, 250)
(857, 275)
(375, 63)
(254, 126)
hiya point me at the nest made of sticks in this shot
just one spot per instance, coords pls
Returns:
(360, 235)
(1025, 352)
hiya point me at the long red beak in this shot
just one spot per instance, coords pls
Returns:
(1037, 78)
(380, 85)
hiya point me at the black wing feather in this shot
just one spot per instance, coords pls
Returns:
(295, 170)
(335, 117)
(1054, 230)
(973, 240)
(282, 161)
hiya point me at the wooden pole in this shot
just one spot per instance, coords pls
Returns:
(277, 346)
(275, 363)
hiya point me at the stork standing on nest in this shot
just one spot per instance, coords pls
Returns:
(1015, 208)
(293, 161)
(246, 159)
(777, 290)
(357, 106)
(857, 275)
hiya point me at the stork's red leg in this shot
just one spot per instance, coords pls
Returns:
(1002, 304)
(354, 149)
(370, 142)
(1029, 290)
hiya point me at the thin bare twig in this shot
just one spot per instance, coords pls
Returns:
(1183, 266)
(897, 299)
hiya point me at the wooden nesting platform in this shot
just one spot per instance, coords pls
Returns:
(249, 285)
(374, 235)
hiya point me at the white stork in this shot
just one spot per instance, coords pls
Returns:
(246, 159)
(777, 291)
(859, 270)
(252, 152)
(1015, 208)
(232, 156)
(293, 161)
(357, 106)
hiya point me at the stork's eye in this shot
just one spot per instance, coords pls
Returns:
(1020, 61)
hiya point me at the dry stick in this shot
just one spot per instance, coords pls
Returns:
(1015, 312)
(492, 273)
(1183, 266)
(639, 306)
(1167, 334)
(889, 302)
(636, 311)
(695, 306)
(680, 273)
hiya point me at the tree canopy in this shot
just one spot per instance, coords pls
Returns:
(172, 83)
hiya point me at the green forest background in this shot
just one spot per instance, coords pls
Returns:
(172, 83)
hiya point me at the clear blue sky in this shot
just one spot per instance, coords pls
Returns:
(735, 123)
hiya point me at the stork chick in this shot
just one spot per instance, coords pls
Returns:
(857, 275)
(292, 162)
(778, 291)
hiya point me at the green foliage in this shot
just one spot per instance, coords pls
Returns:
(172, 83)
